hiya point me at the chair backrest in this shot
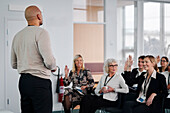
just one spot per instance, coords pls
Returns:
(94, 67)
(120, 100)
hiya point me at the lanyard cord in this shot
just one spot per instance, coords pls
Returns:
(145, 83)
(105, 83)
(169, 78)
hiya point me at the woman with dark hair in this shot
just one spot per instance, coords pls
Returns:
(82, 83)
(150, 92)
(164, 64)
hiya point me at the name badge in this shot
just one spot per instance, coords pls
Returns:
(141, 99)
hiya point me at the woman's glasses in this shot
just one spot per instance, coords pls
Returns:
(163, 60)
(113, 65)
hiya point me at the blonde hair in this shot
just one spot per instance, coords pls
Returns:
(74, 65)
(153, 60)
(106, 64)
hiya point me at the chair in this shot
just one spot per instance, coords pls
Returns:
(121, 100)
(167, 105)
(116, 109)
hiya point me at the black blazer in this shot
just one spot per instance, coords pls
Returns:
(130, 77)
(157, 86)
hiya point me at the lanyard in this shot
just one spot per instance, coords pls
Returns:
(145, 83)
(105, 83)
(168, 79)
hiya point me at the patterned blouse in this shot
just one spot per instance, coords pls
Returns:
(83, 79)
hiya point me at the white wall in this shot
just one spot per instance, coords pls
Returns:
(119, 33)
(110, 49)
(57, 20)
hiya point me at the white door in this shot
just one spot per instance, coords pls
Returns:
(11, 76)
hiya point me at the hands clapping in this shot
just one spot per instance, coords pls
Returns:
(107, 89)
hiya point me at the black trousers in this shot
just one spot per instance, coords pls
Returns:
(167, 103)
(135, 107)
(36, 94)
(91, 103)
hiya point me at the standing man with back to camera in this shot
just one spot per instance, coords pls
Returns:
(32, 56)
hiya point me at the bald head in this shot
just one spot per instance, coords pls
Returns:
(33, 13)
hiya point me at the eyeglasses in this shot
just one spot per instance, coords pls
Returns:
(140, 61)
(113, 65)
(163, 60)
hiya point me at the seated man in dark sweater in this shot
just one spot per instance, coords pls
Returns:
(132, 77)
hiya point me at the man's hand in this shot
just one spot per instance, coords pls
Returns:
(128, 63)
(54, 69)
(158, 59)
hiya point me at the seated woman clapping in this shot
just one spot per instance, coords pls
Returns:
(106, 91)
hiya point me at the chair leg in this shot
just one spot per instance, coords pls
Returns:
(102, 111)
(98, 111)
(72, 108)
(167, 110)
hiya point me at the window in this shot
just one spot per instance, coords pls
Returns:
(125, 29)
(157, 29)
(152, 37)
(89, 33)
(167, 31)
(88, 10)
(129, 27)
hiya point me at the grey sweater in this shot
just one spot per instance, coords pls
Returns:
(31, 52)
